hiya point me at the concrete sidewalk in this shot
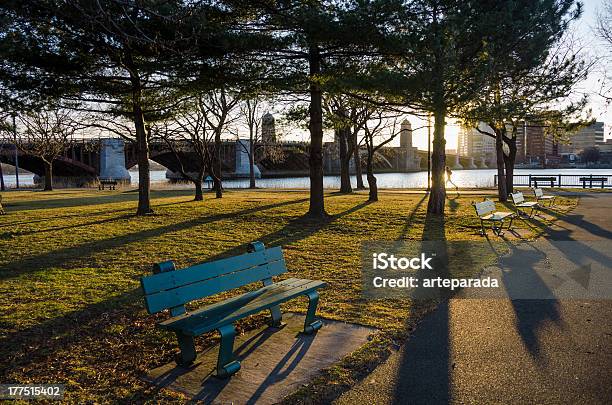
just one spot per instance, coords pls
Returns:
(511, 351)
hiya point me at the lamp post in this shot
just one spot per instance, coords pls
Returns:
(16, 152)
(428, 152)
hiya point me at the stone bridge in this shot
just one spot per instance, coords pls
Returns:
(88, 159)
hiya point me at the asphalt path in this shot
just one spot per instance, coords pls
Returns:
(555, 347)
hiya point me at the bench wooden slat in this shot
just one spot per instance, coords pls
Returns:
(484, 207)
(196, 325)
(210, 286)
(224, 305)
(173, 279)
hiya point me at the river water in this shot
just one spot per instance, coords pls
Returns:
(463, 178)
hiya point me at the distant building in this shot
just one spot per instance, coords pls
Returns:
(533, 146)
(474, 144)
(591, 136)
(268, 128)
(407, 156)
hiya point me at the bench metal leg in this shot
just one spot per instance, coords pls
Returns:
(226, 365)
(310, 323)
(277, 317)
(188, 351)
(483, 232)
(498, 230)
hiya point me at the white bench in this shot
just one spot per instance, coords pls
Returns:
(539, 196)
(486, 212)
(521, 205)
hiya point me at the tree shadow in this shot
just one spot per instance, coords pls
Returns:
(424, 374)
(533, 301)
(66, 256)
(32, 344)
(411, 217)
(78, 201)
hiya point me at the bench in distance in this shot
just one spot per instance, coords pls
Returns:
(112, 184)
(590, 180)
(518, 199)
(539, 196)
(486, 212)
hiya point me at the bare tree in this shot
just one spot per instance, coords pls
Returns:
(218, 107)
(194, 133)
(188, 134)
(380, 129)
(251, 111)
(604, 30)
(47, 134)
(604, 22)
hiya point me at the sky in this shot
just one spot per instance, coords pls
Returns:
(592, 46)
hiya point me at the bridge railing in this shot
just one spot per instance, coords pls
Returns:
(560, 180)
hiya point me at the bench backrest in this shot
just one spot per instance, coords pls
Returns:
(172, 289)
(538, 192)
(517, 197)
(485, 207)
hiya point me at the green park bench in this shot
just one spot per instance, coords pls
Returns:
(518, 199)
(486, 212)
(171, 289)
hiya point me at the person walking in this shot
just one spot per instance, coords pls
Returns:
(449, 173)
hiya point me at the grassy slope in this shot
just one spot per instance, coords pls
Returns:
(70, 309)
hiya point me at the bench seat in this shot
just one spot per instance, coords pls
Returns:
(214, 316)
(496, 216)
(486, 213)
(527, 204)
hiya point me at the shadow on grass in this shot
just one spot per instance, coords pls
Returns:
(86, 330)
(64, 257)
(411, 217)
(78, 201)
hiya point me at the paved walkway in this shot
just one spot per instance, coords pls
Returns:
(513, 351)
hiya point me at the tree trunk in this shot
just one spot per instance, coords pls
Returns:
(199, 195)
(437, 197)
(373, 195)
(357, 158)
(501, 178)
(345, 159)
(509, 164)
(48, 176)
(252, 163)
(218, 186)
(142, 143)
(2, 187)
(317, 203)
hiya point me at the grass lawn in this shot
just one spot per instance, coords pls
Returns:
(70, 307)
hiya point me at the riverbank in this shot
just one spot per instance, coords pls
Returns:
(70, 301)
(477, 178)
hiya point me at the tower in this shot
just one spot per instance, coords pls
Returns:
(406, 134)
(268, 130)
